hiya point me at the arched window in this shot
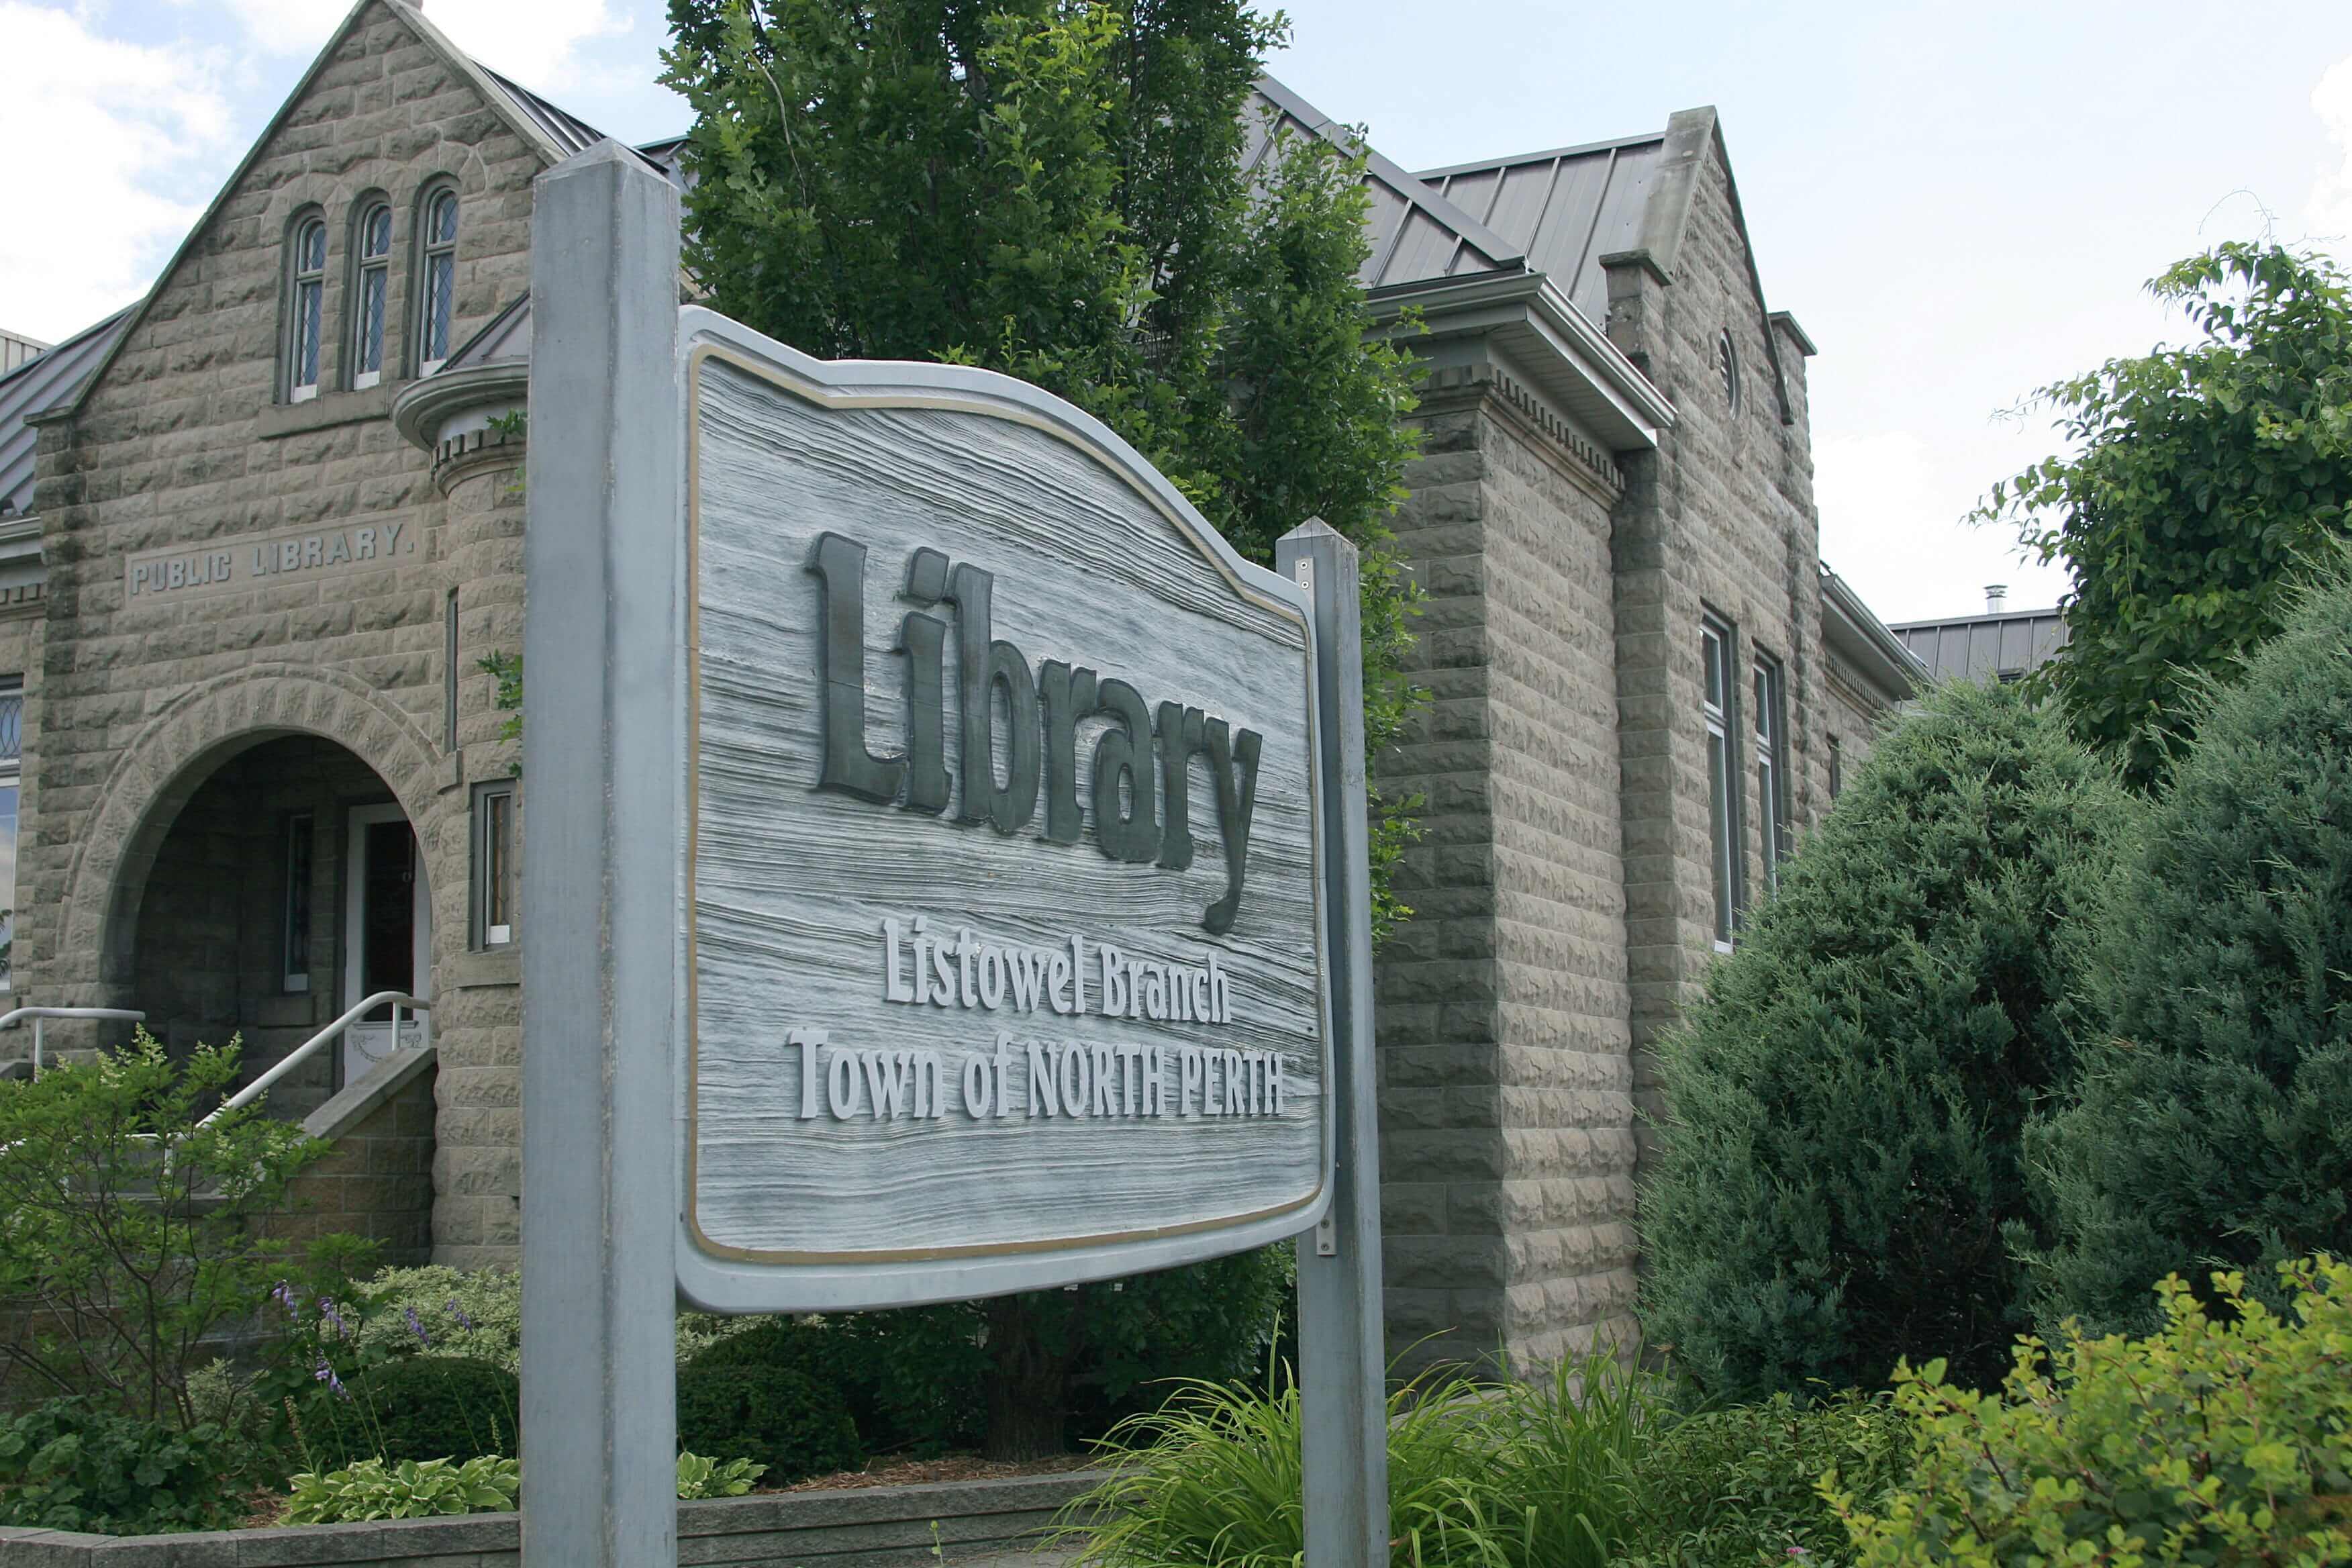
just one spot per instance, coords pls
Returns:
(307, 302)
(438, 259)
(372, 248)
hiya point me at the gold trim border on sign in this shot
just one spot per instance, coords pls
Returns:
(841, 398)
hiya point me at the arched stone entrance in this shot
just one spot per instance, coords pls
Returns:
(289, 886)
(179, 895)
(90, 954)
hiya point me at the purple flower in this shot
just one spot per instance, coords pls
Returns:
(334, 1318)
(416, 1327)
(326, 1374)
(459, 1312)
(285, 1297)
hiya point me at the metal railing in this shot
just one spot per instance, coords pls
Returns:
(40, 1015)
(317, 1042)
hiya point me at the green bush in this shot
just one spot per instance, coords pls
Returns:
(70, 1464)
(912, 1381)
(135, 1230)
(792, 1425)
(422, 1407)
(2217, 1440)
(407, 1489)
(1841, 1148)
(1520, 1475)
(475, 1314)
(1737, 1487)
(2212, 1131)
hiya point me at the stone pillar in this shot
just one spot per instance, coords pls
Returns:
(474, 430)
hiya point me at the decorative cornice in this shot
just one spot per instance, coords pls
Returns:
(1488, 380)
(474, 451)
(426, 409)
(1573, 361)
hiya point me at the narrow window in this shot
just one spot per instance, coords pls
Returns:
(1837, 767)
(1714, 654)
(295, 960)
(374, 250)
(12, 738)
(494, 883)
(308, 311)
(449, 672)
(1771, 772)
(440, 280)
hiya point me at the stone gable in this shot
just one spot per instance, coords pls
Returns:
(185, 446)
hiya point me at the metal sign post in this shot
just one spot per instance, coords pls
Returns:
(947, 871)
(601, 880)
(1342, 1340)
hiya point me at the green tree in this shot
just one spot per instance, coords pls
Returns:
(134, 1230)
(2211, 1133)
(1847, 1099)
(1056, 189)
(2202, 477)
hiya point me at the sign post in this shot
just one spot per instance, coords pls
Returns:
(946, 871)
(1342, 1340)
(601, 880)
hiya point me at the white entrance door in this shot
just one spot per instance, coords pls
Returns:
(388, 933)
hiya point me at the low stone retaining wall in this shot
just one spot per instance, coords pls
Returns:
(868, 1527)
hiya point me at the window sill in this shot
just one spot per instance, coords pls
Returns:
(324, 411)
(490, 966)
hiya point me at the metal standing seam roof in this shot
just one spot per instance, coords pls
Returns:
(567, 130)
(1562, 210)
(39, 383)
(1978, 647)
(1416, 233)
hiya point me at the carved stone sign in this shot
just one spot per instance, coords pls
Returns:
(175, 574)
(1005, 953)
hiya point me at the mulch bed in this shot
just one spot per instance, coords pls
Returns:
(924, 1472)
(265, 1506)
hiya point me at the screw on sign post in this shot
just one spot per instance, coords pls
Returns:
(947, 874)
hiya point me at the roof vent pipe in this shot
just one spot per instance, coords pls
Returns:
(1996, 598)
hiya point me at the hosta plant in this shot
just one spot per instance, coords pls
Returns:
(699, 1477)
(412, 1488)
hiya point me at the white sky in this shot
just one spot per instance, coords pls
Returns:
(1959, 203)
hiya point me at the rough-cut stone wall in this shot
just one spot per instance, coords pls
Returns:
(375, 1184)
(1505, 1103)
(184, 440)
(1435, 1013)
(1720, 519)
(478, 1021)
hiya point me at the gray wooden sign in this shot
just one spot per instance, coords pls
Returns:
(947, 871)
(1006, 944)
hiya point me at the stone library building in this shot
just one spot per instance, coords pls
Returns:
(260, 530)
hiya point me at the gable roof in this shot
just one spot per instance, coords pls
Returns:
(1574, 209)
(1564, 209)
(545, 129)
(41, 382)
(1417, 234)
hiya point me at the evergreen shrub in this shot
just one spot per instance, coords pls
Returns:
(1845, 1104)
(2215, 1126)
(2221, 1439)
(790, 1422)
(912, 1381)
(429, 1407)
